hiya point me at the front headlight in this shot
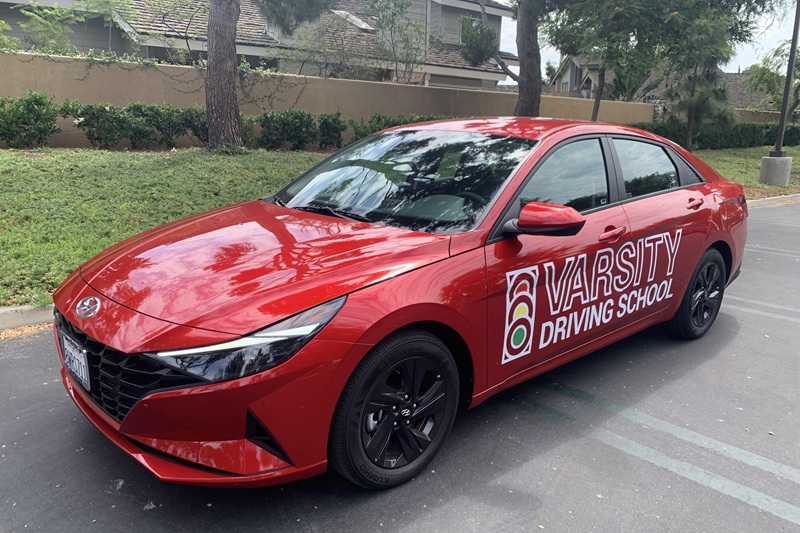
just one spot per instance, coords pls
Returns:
(255, 353)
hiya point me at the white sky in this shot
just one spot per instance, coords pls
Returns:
(770, 33)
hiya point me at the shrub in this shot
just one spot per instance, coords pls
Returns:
(194, 119)
(293, 126)
(165, 119)
(298, 128)
(105, 125)
(331, 127)
(271, 135)
(248, 131)
(28, 121)
(378, 122)
(674, 130)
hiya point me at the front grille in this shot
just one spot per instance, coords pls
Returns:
(119, 380)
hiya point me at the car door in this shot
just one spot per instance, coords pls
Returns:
(668, 207)
(550, 293)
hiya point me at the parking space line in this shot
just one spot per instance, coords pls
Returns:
(762, 304)
(732, 452)
(757, 247)
(771, 222)
(723, 485)
(756, 250)
(762, 313)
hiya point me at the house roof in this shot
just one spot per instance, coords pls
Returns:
(189, 20)
(738, 95)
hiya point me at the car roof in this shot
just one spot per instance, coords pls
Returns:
(525, 127)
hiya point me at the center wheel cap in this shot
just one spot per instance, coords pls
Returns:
(405, 413)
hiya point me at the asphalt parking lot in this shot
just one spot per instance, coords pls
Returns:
(650, 434)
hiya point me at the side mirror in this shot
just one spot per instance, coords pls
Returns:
(537, 218)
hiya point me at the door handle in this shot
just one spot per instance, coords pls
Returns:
(612, 233)
(694, 203)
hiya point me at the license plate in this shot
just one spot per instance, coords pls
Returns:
(75, 361)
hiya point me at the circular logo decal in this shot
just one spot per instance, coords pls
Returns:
(88, 307)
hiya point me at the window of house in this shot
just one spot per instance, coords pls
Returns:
(646, 168)
(574, 175)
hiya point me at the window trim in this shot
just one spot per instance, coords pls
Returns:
(512, 208)
(681, 167)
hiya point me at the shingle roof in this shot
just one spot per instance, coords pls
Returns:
(190, 20)
(738, 95)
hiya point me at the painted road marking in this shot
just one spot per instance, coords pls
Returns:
(771, 222)
(762, 313)
(759, 500)
(762, 304)
(732, 452)
(757, 248)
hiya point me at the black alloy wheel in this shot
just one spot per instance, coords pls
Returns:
(395, 411)
(403, 413)
(703, 298)
(706, 295)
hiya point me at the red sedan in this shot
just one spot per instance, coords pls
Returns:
(345, 319)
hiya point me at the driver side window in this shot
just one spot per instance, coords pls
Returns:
(573, 175)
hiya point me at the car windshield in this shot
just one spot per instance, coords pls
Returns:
(431, 181)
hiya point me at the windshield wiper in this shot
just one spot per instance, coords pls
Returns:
(332, 211)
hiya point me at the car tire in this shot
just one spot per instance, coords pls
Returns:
(395, 411)
(703, 298)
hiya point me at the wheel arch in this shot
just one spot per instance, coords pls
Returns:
(460, 352)
(727, 256)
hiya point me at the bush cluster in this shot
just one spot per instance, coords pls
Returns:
(31, 120)
(741, 135)
(28, 121)
(144, 125)
(378, 122)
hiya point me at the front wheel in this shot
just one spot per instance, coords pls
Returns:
(703, 298)
(395, 411)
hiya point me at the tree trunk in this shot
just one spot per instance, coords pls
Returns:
(598, 93)
(530, 61)
(689, 127)
(222, 109)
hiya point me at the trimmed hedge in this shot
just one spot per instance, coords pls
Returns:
(378, 122)
(31, 120)
(741, 135)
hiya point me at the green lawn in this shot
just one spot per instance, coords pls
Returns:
(743, 164)
(59, 207)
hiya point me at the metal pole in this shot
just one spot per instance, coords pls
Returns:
(779, 152)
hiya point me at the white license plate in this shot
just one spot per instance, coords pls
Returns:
(75, 361)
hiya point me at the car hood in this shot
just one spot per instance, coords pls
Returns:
(241, 268)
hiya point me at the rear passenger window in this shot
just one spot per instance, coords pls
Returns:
(574, 175)
(646, 168)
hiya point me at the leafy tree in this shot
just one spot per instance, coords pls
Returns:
(222, 108)
(479, 39)
(615, 34)
(6, 41)
(49, 28)
(697, 39)
(405, 41)
(550, 72)
(769, 77)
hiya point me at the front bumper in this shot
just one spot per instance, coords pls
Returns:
(202, 435)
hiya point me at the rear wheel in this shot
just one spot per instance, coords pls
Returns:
(703, 298)
(395, 411)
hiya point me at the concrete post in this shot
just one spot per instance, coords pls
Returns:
(775, 171)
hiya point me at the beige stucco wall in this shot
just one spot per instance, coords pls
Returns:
(122, 83)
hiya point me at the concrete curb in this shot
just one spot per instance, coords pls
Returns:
(25, 315)
(774, 201)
